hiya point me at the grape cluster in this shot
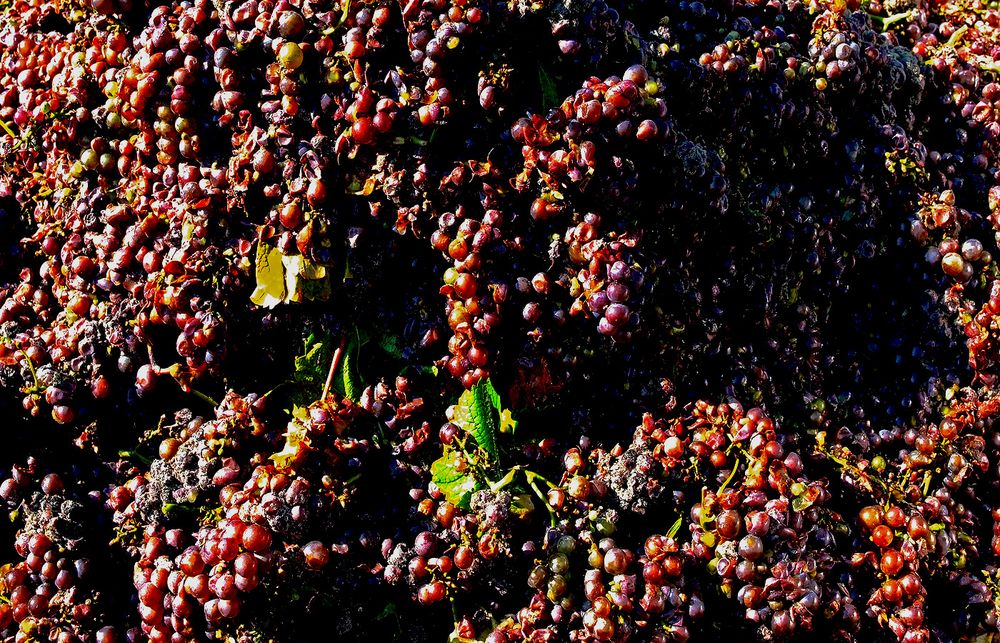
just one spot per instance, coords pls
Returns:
(523, 321)
(50, 590)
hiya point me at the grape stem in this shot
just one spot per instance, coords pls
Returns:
(993, 67)
(854, 470)
(333, 367)
(506, 480)
(732, 474)
(343, 18)
(7, 129)
(531, 477)
(956, 37)
(204, 398)
(31, 368)
(889, 21)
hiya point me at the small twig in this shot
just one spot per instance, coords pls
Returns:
(333, 367)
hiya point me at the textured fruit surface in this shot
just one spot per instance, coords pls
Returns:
(470, 320)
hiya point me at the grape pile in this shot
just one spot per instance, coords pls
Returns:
(423, 320)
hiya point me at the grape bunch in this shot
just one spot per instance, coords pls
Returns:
(520, 321)
(52, 589)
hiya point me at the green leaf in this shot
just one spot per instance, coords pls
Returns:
(507, 422)
(311, 365)
(449, 468)
(347, 380)
(675, 527)
(390, 344)
(452, 475)
(550, 95)
(390, 610)
(491, 394)
(316, 289)
(300, 272)
(476, 414)
(350, 377)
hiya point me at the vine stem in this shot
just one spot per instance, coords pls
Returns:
(333, 366)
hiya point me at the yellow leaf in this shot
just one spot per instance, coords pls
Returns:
(270, 270)
(293, 268)
(296, 441)
(280, 277)
(507, 422)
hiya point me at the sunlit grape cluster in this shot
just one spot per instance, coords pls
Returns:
(499, 321)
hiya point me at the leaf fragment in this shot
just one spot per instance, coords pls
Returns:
(550, 95)
(347, 380)
(453, 476)
(270, 273)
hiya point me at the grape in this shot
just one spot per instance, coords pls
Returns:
(316, 554)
